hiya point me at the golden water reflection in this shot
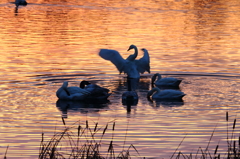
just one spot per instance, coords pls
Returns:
(48, 42)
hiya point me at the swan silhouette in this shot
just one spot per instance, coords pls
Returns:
(71, 93)
(167, 94)
(130, 65)
(20, 2)
(165, 82)
(70, 105)
(96, 92)
(130, 97)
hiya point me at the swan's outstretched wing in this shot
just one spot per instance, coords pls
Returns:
(143, 64)
(114, 57)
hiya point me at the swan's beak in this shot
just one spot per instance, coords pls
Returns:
(130, 48)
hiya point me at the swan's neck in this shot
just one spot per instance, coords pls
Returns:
(135, 52)
(151, 92)
(156, 89)
(154, 78)
(158, 76)
(64, 86)
(133, 56)
(82, 85)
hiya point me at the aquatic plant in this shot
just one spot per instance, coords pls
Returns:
(77, 141)
(232, 152)
(86, 143)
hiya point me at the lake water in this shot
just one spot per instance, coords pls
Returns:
(51, 41)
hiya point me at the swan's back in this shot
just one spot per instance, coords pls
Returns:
(20, 2)
(168, 81)
(71, 93)
(169, 94)
(130, 95)
(73, 90)
(131, 69)
(62, 94)
(96, 92)
(96, 89)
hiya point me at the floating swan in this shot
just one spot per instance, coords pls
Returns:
(129, 97)
(130, 66)
(167, 94)
(71, 93)
(165, 82)
(96, 92)
(20, 2)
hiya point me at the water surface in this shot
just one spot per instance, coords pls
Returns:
(48, 42)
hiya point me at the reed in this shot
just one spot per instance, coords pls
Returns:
(86, 143)
(232, 152)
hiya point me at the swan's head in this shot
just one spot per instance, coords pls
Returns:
(144, 50)
(133, 56)
(65, 84)
(131, 47)
(154, 78)
(151, 92)
(84, 83)
(158, 75)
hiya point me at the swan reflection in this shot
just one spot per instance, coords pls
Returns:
(83, 107)
(156, 103)
(130, 97)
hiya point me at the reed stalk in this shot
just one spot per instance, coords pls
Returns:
(84, 145)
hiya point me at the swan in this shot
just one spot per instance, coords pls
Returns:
(71, 93)
(167, 94)
(129, 97)
(20, 2)
(129, 66)
(96, 92)
(165, 82)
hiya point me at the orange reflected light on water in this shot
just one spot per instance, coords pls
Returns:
(74, 36)
(184, 37)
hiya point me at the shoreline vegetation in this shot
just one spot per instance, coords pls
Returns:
(86, 143)
(83, 142)
(232, 152)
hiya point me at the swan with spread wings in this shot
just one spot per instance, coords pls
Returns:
(130, 65)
